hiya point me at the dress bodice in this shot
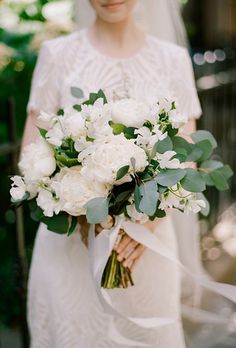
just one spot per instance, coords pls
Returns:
(159, 68)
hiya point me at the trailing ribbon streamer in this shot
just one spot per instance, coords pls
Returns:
(100, 248)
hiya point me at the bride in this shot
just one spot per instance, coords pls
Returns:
(115, 54)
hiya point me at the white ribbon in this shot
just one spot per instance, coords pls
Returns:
(100, 248)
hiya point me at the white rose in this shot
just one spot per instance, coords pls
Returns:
(37, 161)
(18, 188)
(75, 190)
(107, 158)
(131, 113)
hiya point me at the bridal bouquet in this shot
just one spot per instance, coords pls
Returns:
(121, 158)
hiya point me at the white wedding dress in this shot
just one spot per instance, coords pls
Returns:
(63, 308)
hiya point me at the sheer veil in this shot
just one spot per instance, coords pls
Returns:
(210, 319)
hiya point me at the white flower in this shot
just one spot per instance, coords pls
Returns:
(37, 161)
(166, 162)
(55, 135)
(48, 202)
(195, 205)
(74, 190)
(47, 120)
(146, 139)
(105, 159)
(170, 200)
(73, 124)
(177, 119)
(18, 188)
(93, 112)
(131, 113)
(135, 215)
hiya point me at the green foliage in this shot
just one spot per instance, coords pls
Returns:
(97, 210)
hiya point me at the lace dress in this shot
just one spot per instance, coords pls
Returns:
(63, 308)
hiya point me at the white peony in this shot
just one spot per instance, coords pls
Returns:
(131, 113)
(105, 159)
(48, 202)
(18, 188)
(166, 161)
(37, 161)
(74, 190)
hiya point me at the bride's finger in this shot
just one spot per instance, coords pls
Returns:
(136, 254)
(123, 243)
(127, 250)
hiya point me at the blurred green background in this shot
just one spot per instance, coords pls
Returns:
(24, 24)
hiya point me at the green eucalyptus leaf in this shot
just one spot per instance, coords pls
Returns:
(170, 177)
(181, 143)
(122, 172)
(211, 165)
(97, 210)
(164, 145)
(77, 92)
(201, 135)
(226, 171)
(195, 154)
(207, 149)
(206, 177)
(219, 180)
(193, 181)
(150, 197)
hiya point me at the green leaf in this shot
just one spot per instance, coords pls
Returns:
(181, 154)
(164, 145)
(97, 210)
(129, 133)
(137, 198)
(181, 143)
(193, 181)
(36, 213)
(117, 128)
(57, 223)
(66, 161)
(77, 107)
(122, 172)
(226, 171)
(123, 196)
(60, 112)
(101, 94)
(204, 211)
(206, 177)
(77, 92)
(201, 135)
(149, 198)
(206, 148)
(170, 177)
(43, 132)
(219, 180)
(73, 225)
(211, 165)
(195, 154)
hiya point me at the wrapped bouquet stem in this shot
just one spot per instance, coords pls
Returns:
(125, 159)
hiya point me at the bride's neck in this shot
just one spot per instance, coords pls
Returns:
(113, 37)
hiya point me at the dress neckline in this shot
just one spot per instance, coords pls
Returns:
(93, 49)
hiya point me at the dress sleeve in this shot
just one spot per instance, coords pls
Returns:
(44, 93)
(185, 87)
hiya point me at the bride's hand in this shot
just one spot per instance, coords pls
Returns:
(129, 251)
